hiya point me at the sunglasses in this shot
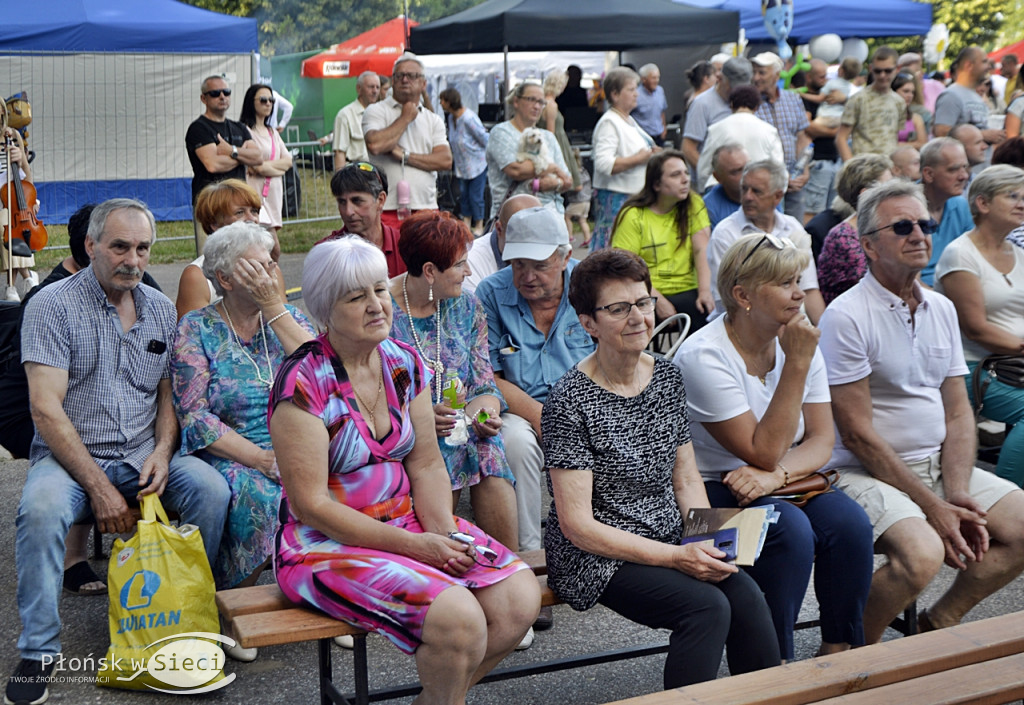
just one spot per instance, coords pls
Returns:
(265, 100)
(621, 309)
(880, 72)
(905, 227)
(776, 242)
(366, 166)
(218, 92)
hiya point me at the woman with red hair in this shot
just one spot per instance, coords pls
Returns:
(449, 330)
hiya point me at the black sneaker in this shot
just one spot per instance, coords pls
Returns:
(28, 684)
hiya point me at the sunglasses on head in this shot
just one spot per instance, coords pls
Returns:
(366, 166)
(777, 242)
(265, 100)
(906, 226)
(218, 92)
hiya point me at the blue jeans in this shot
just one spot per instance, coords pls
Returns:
(1005, 403)
(471, 196)
(831, 531)
(52, 501)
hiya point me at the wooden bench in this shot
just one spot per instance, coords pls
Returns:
(262, 616)
(978, 662)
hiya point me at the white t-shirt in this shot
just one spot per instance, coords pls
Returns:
(718, 388)
(481, 262)
(1004, 295)
(868, 332)
(420, 137)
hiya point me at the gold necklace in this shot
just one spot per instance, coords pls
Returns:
(735, 338)
(263, 333)
(371, 408)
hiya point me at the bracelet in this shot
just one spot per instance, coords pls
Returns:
(785, 474)
(535, 185)
(283, 313)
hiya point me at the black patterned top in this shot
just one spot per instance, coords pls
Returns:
(630, 444)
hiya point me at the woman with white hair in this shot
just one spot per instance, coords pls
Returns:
(368, 534)
(553, 121)
(983, 275)
(223, 363)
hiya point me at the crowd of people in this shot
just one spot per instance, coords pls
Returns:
(844, 295)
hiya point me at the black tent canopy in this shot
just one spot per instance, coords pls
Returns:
(581, 25)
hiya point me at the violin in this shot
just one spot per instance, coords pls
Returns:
(16, 195)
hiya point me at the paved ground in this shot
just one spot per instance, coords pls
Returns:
(288, 674)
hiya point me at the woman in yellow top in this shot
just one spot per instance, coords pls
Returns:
(668, 226)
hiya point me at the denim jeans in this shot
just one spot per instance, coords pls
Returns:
(52, 501)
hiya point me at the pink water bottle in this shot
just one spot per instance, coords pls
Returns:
(404, 197)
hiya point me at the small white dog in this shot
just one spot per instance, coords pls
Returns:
(533, 147)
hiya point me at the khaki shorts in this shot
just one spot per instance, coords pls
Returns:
(885, 505)
(576, 211)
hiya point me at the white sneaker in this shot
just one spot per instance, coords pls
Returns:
(239, 654)
(26, 285)
(527, 641)
(11, 294)
(345, 641)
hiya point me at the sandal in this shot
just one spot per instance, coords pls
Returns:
(78, 576)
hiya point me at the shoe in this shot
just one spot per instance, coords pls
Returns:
(239, 654)
(527, 641)
(78, 576)
(11, 294)
(345, 641)
(545, 619)
(26, 285)
(28, 684)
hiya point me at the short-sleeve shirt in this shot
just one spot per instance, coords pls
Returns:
(956, 220)
(113, 375)
(876, 119)
(788, 116)
(868, 332)
(719, 205)
(204, 131)
(958, 105)
(631, 457)
(655, 237)
(468, 138)
(518, 349)
(1003, 294)
(421, 136)
(650, 106)
(348, 133)
(502, 150)
(718, 388)
(705, 110)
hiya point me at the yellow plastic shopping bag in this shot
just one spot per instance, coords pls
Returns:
(163, 619)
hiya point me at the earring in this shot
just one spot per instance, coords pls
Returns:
(748, 310)
(430, 294)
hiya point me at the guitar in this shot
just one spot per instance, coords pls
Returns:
(16, 195)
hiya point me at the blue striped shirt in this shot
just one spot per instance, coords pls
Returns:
(113, 375)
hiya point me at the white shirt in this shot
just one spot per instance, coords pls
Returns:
(1003, 295)
(718, 388)
(348, 133)
(868, 332)
(280, 103)
(760, 139)
(735, 226)
(481, 262)
(615, 137)
(420, 137)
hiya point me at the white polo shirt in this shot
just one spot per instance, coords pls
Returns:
(420, 137)
(868, 331)
(735, 226)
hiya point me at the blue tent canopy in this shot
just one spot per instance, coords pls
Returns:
(847, 18)
(153, 26)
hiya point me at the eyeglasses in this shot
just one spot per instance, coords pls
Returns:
(621, 309)
(906, 226)
(777, 242)
(402, 76)
(265, 100)
(218, 92)
(536, 101)
(880, 72)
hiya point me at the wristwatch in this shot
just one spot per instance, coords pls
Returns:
(234, 152)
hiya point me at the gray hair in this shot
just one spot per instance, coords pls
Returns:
(991, 182)
(727, 147)
(98, 219)
(227, 245)
(407, 56)
(555, 82)
(361, 81)
(219, 77)
(617, 79)
(648, 69)
(870, 200)
(563, 251)
(931, 153)
(337, 267)
(738, 71)
(778, 177)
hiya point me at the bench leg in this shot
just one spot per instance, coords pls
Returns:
(329, 693)
(359, 667)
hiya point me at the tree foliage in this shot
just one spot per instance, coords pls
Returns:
(289, 26)
(969, 22)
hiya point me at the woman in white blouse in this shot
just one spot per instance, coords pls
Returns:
(621, 150)
(983, 275)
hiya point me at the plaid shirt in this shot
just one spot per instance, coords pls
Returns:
(788, 116)
(113, 375)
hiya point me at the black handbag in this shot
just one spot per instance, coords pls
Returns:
(1008, 369)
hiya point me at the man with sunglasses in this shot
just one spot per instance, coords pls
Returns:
(218, 148)
(407, 141)
(873, 116)
(960, 102)
(907, 432)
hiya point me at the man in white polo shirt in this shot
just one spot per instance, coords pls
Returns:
(896, 371)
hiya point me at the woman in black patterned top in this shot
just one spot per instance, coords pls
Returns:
(622, 473)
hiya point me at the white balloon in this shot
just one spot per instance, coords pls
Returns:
(827, 47)
(852, 46)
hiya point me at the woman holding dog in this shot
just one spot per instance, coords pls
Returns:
(522, 158)
(621, 150)
(756, 385)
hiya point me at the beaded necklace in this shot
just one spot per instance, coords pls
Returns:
(436, 365)
(263, 333)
